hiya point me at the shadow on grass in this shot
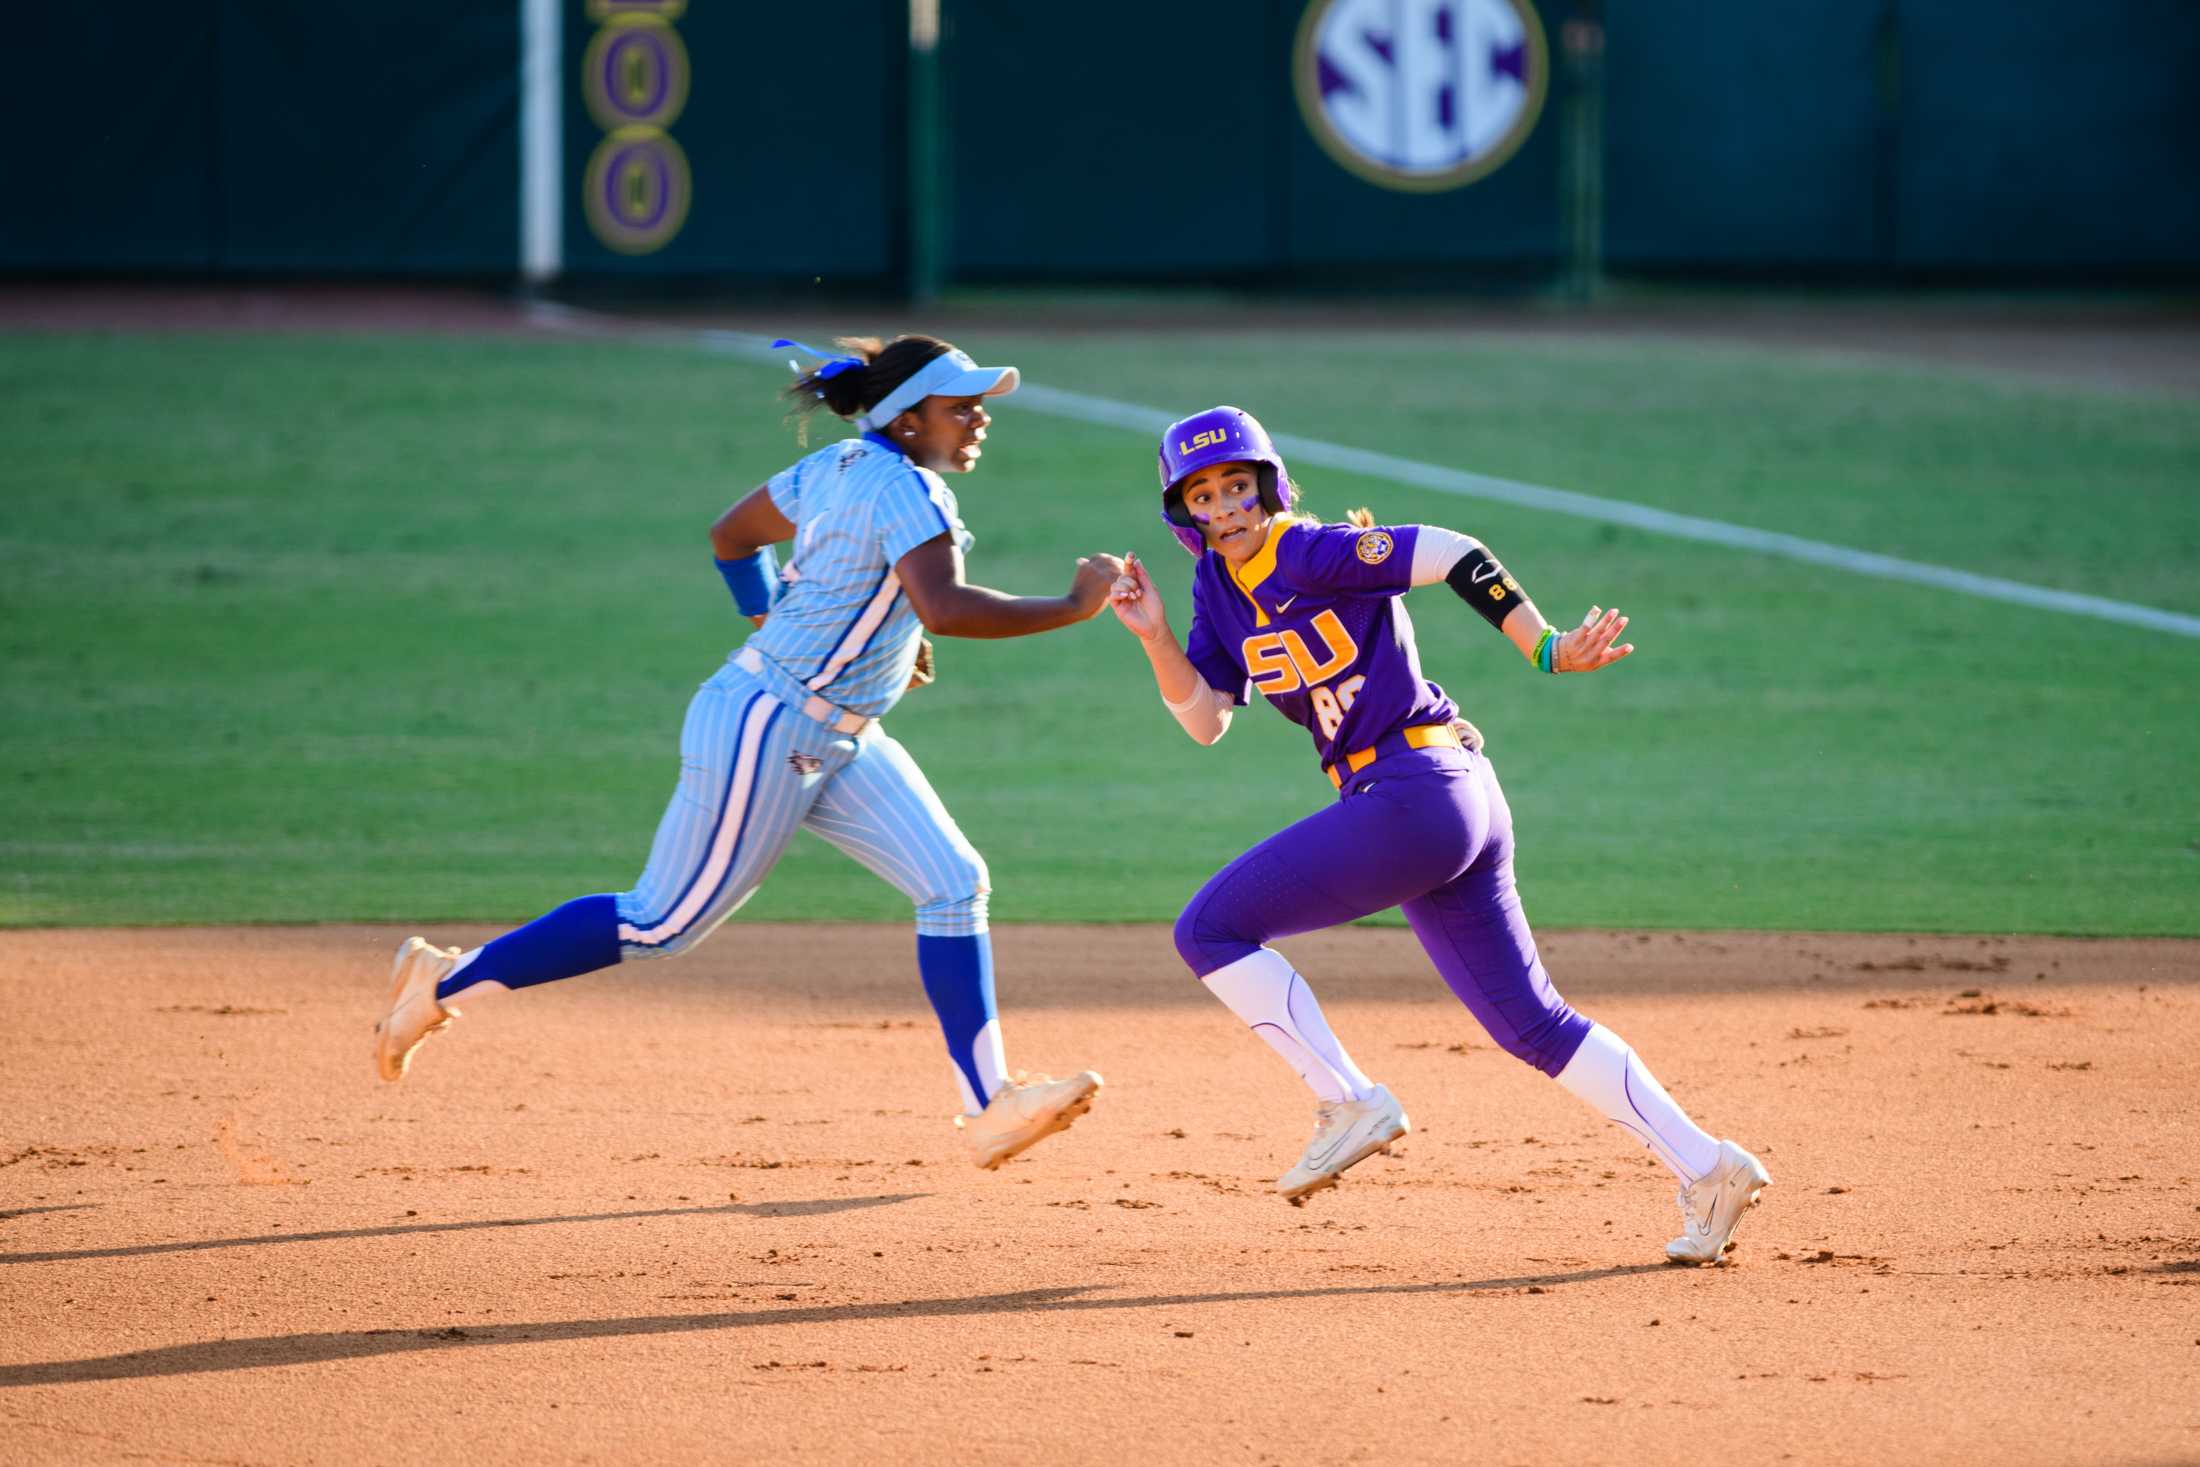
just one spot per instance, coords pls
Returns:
(213, 1356)
(816, 1208)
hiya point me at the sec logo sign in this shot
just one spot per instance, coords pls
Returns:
(1421, 95)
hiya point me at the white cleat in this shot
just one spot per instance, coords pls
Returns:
(414, 1013)
(1024, 1112)
(1346, 1133)
(1713, 1205)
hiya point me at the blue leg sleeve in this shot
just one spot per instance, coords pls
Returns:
(579, 937)
(958, 978)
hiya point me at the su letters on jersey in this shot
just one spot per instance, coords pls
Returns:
(1281, 662)
(1317, 629)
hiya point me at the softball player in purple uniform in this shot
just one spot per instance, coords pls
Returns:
(786, 735)
(1309, 615)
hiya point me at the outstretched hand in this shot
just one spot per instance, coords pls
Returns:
(1589, 646)
(1137, 603)
(1096, 574)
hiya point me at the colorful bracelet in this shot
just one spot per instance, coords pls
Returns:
(1546, 649)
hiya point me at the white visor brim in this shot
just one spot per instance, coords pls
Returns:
(951, 374)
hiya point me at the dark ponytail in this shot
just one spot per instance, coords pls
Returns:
(852, 390)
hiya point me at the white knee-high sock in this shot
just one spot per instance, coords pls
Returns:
(1274, 1001)
(1611, 1077)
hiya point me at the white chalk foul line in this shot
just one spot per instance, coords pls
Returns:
(1107, 412)
(1638, 516)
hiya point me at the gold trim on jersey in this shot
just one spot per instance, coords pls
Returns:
(1262, 565)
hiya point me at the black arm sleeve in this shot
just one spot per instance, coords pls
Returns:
(1486, 586)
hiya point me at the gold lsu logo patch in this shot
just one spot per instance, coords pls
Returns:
(1201, 440)
(1374, 547)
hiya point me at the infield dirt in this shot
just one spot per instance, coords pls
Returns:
(714, 1210)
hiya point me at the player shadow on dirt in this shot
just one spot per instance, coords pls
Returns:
(209, 1356)
(6, 1213)
(814, 1208)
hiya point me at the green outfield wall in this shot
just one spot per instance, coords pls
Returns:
(709, 138)
(1235, 141)
(243, 137)
(2039, 135)
(1739, 133)
(1903, 135)
(1179, 141)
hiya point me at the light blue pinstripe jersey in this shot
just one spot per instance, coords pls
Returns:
(841, 625)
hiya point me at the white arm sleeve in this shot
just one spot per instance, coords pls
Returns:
(1436, 550)
(1205, 714)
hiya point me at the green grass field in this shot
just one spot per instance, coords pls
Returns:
(302, 629)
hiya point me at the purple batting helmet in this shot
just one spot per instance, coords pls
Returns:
(1219, 435)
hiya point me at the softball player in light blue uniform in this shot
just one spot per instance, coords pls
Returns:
(787, 736)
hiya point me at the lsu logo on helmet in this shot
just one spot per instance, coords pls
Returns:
(1374, 546)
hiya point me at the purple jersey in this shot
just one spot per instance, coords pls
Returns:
(1314, 623)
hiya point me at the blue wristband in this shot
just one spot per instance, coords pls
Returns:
(750, 579)
(1546, 650)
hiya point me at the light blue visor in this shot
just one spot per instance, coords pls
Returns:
(950, 374)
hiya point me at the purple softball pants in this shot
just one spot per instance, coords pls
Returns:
(1427, 831)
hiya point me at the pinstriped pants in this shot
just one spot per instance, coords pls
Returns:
(752, 772)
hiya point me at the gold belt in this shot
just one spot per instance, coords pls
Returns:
(1419, 736)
